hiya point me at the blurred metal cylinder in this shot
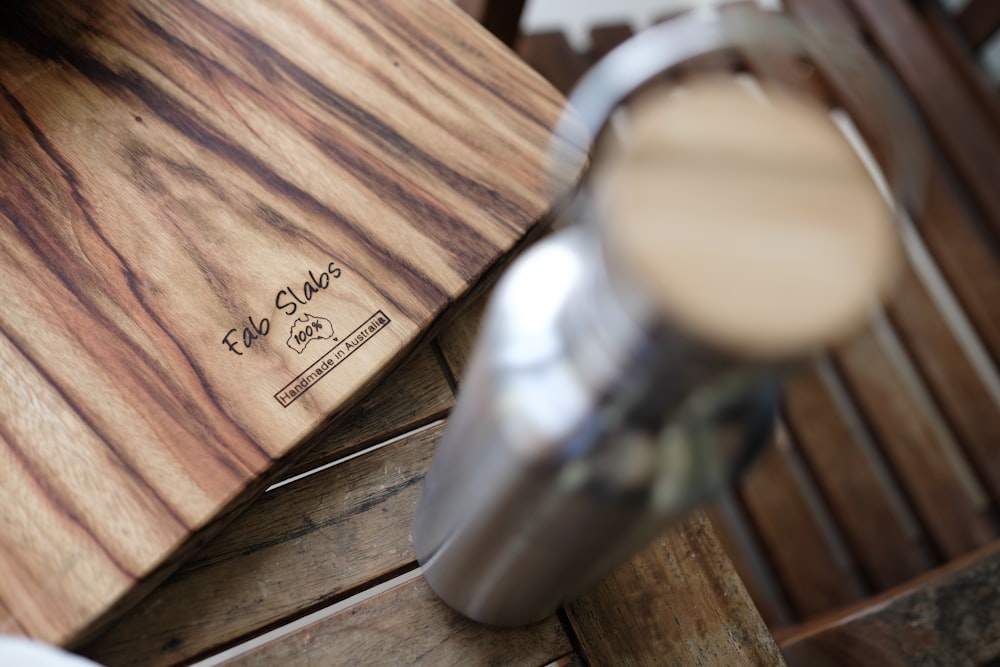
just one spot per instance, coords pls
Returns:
(578, 435)
(590, 417)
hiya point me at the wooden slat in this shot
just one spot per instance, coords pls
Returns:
(959, 124)
(965, 257)
(503, 19)
(604, 38)
(457, 341)
(551, 55)
(171, 169)
(955, 521)
(952, 230)
(860, 503)
(300, 546)
(979, 20)
(761, 584)
(833, 15)
(964, 399)
(677, 602)
(415, 394)
(950, 616)
(773, 67)
(814, 580)
(408, 625)
(962, 60)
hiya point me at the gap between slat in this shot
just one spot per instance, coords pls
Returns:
(755, 556)
(345, 459)
(817, 507)
(888, 339)
(866, 442)
(305, 621)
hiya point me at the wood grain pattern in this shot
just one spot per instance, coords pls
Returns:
(950, 616)
(298, 547)
(180, 182)
(677, 602)
(374, 632)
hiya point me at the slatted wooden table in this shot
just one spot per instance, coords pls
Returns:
(320, 569)
(173, 173)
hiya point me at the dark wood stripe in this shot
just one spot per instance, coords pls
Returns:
(397, 147)
(422, 43)
(84, 415)
(979, 20)
(53, 497)
(52, 255)
(189, 124)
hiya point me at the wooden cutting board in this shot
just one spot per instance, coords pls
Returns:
(219, 222)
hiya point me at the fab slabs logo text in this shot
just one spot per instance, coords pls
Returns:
(304, 331)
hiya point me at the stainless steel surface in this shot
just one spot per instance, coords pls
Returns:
(579, 433)
(586, 422)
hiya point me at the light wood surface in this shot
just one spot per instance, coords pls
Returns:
(750, 221)
(186, 186)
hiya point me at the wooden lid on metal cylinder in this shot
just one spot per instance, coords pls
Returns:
(746, 219)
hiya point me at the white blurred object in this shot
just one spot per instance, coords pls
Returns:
(577, 17)
(21, 652)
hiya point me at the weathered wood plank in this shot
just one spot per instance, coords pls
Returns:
(749, 560)
(950, 616)
(409, 625)
(297, 547)
(458, 340)
(182, 183)
(677, 602)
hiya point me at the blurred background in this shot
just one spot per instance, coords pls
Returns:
(575, 18)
